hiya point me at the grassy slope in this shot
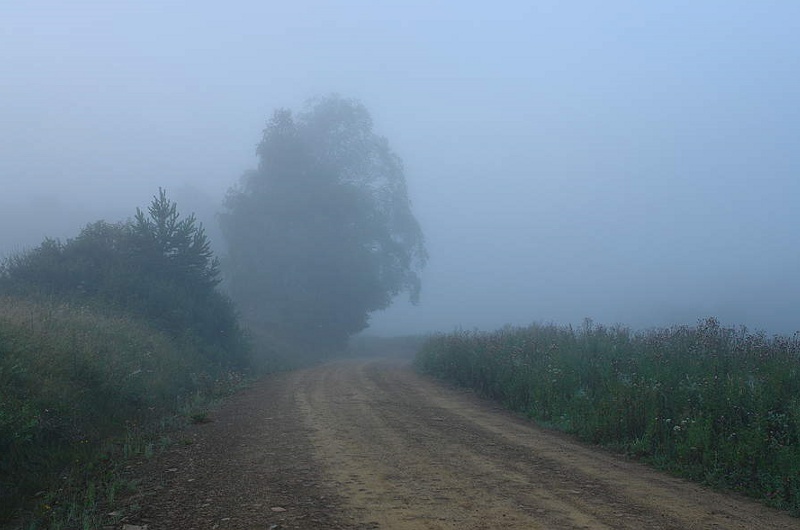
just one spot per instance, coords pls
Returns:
(72, 379)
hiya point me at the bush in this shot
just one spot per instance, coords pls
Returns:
(108, 331)
(158, 267)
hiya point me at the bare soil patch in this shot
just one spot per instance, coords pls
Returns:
(250, 467)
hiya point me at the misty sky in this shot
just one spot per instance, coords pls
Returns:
(633, 162)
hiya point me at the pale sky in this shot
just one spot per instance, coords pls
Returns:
(633, 162)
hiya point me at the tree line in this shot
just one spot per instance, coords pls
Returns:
(317, 237)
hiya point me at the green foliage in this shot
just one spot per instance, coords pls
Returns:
(71, 377)
(716, 404)
(100, 335)
(322, 233)
(159, 267)
(165, 241)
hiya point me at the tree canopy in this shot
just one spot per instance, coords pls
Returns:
(321, 234)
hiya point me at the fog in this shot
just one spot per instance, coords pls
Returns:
(627, 162)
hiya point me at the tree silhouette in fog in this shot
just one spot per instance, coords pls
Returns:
(321, 234)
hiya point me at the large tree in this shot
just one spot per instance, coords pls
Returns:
(321, 234)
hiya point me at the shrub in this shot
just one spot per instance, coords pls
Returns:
(113, 329)
(158, 267)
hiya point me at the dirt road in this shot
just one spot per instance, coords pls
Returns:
(370, 444)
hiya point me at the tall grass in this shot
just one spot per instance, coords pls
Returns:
(715, 404)
(71, 378)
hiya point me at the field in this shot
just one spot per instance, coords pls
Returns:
(715, 404)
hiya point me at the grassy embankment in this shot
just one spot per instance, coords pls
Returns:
(82, 389)
(714, 404)
(103, 338)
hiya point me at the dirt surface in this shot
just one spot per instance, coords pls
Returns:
(370, 444)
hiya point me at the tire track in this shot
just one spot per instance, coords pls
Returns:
(408, 453)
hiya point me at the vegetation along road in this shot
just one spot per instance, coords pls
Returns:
(371, 444)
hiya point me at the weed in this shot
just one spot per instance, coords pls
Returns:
(82, 388)
(200, 417)
(715, 404)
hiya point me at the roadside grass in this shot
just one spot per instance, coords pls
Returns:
(714, 404)
(82, 390)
